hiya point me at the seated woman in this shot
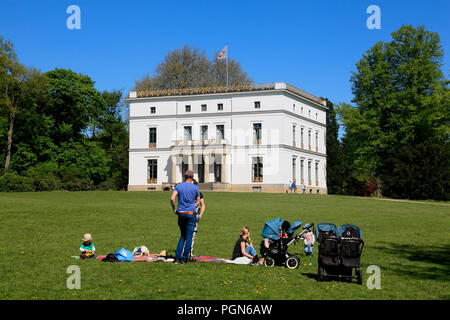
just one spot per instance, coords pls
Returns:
(244, 252)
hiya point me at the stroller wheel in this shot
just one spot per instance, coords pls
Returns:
(292, 262)
(320, 275)
(359, 277)
(269, 262)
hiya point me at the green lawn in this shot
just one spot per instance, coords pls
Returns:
(40, 232)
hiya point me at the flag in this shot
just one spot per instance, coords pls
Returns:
(223, 53)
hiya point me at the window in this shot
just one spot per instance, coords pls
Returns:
(220, 106)
(152, 171)
(257, 105)
(204, 132)
(317, 173)
(152, 110)
(204, 107)
(309, 139)
(301, 110)
(257, 133)
(309, 172)
(309, 113)
(301, 137)
(152, 137)
(187, 108)
(220, 132)
(293, 108)
(317, 141)
(316, 115)
(293, 134)
(294, 168)
(187, 133)
(257, 169)
(302, 175)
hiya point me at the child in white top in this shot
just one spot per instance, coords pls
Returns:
(309, 241)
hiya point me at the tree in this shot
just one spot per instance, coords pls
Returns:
(188, 67)
(401, 98)
(74, 104)
(334, 152)
(12, 77)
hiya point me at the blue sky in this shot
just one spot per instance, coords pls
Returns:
(310, 44)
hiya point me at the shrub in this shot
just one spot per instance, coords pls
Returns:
(12, 182)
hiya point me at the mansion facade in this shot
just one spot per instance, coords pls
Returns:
(251, 138)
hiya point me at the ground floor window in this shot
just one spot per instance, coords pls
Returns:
(257, 169)
(317, 173)
(309, 172)
(152, 171)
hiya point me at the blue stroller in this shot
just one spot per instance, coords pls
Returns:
(280, 234)
(339, 251)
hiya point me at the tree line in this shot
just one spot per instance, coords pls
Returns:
(396, 140)
(58, 132)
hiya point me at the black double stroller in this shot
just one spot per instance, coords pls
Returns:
(339, 251)
(280, 234)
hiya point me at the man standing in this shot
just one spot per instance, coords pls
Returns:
(188, 194)
(200, 209)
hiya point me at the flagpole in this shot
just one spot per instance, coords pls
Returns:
(227, 69)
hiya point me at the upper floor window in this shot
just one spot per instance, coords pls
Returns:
(204, 132)
(220, 132)
(187, 108)
(257, 133)
(317, 141)
(204, 107)
(220, 106)
(187, 133)
(152, 137)
(257, 105)
(152, 110)
(294, 127)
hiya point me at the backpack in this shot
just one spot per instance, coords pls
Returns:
(124, 255)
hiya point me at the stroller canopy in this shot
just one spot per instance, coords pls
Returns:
(272, 228)
(326, 227)
(344, 227)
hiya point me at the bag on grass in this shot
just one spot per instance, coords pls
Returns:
(110, 258)
(124, 255)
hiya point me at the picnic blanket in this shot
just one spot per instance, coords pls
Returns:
(152, 257)
(209, 259)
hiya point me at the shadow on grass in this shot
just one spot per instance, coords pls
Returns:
(431, 261)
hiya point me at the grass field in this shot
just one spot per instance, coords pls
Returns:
(40, 232)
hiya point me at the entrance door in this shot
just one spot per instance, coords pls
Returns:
(217, 172)
(201, 170)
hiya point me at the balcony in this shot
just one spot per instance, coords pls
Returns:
(200, 142)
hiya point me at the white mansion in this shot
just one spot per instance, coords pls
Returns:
(244, 138)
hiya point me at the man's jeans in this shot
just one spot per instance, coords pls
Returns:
(186, 222)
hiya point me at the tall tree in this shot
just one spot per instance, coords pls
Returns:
(401, 98)
(74, 104)
(335, 167)
(188, 67)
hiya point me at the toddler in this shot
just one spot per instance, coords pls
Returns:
(309, 241)
(87, 248)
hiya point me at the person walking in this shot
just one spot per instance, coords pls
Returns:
(188, 195)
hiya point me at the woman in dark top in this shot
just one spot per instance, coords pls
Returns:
(244, 247)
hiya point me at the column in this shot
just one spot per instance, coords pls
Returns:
(206, 164)
(190, 162)
(173, 178)
(224, 168)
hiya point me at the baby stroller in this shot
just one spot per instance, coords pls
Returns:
(339, 251)
(280, 234)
